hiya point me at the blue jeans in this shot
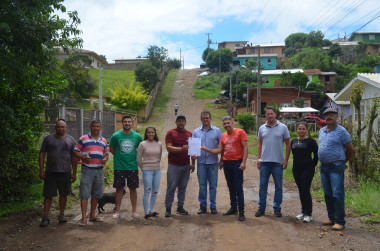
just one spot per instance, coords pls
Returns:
(207, 172)
(151, 181)
(266, 169)
(332, 178)
(234, 178)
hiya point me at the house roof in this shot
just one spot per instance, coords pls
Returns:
(369, 78)
(282, 87)
(255, 56)
(312, 71)
(328, 73)
(278, 72)
(362, 32)
(331, 96)
(60, 51)
(297, 109)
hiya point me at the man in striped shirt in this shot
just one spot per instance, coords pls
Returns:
(92, 151)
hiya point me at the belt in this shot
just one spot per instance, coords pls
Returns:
(333, 163)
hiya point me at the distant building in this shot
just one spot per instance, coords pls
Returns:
(372, 38)
(124, 64)
(232, 45)
(341, 106)
(97, 61)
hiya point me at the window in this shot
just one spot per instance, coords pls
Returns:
(264, 80)
(269, 61)
(361, 113)
(266, 50)
(286, 105)
(305, 105)
(327, 78)
(237, 45)
(252, 50)
(371, 36)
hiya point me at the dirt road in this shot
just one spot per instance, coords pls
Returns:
(191, 232)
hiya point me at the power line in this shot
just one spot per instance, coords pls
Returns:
(374, 18)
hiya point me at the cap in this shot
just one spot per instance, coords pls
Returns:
(330, 110)
(181, 116)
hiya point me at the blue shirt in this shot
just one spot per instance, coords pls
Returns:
(210, 139)
(272, 148)
(332, 144)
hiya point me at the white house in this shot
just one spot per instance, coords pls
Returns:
(97, 61)
(371, 90)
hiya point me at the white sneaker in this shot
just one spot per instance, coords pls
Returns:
(300, 216)
(307, 219)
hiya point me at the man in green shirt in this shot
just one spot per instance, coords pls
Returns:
(123, 145)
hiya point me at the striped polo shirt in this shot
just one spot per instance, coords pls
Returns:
(96, 149)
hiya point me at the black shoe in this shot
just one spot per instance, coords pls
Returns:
(260, 213)
(214, 211)
(278, 213)
(241, 216)
(182, 211)
(230, 211)
(202, 210)
(44, 222)
(62, 218)
(168, 212)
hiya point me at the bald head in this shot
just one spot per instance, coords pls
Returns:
(60, 128)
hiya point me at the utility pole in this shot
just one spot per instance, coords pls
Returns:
(230, 90)
(246, 108)
(258, 111)
(180, 58)
(208, 41)
(183, 63)
(236, 100)
(220, 70)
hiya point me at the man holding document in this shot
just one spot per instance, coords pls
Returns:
(179, 167)
(207, 164)
(234, 149)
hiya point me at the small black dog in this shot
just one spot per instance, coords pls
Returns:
(108, 198)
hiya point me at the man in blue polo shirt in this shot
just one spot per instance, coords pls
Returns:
(270, 159)
(335, 149)
(207, 169)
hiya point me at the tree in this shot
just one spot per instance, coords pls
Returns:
(226, 56)
(241, 76)
(369, 60)
(298, 79)
(317, 88)
(104, 57)
(339, 83)
(335, 51)
(286, 78)
(294, 42)
(311, 58)
(205, 53)
(315, 39)
(361, 70)
(157, 56)
(28, 32)
(174, 63)
(129, 97)
(299, 102)
(360, 49)
(147, 74)
(251, 64)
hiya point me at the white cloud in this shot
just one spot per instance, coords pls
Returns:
(124, 29)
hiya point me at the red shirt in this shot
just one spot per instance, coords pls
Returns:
(178, 139)
(233, 148)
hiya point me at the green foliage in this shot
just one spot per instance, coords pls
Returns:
(339, 83)
(360, 49)
(206, 87)
(294, 42)
(369, 60)
(299, 102)
(174, 63)
(241, 76)
(335, 51)
(147, 74)
(129, 97)
(311, 58)
(317, 87)
(246, 120)
(298, 79)
(205, 53)
(226, 56)
(286, 78)
(364, 69)
(251, 64)
(315, 39)
(28, 32)
(157, 56)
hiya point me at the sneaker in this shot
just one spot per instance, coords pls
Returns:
(230, 211)
(168, 212)
(214, 211)
(337, 227)
(182, 211)
(277, 213)
(202, 210)
(328, 223)
(307, 219)
(62, 218)
(241, 216)
(300, 216)
(44, 222)
(260, 213)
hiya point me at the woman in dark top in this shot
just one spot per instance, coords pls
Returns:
(303, 168)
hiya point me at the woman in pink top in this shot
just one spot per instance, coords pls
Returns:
(149, 155)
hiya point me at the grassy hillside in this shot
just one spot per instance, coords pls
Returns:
(109, 77)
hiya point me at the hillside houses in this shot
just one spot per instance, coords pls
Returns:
(97, 61)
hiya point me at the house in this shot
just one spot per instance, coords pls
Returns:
(372, 38)
(267, 61)
(122, 64)
(272, 77)
(232, 45)
(371, 90)
(267, 51)
(97, 61)
(341, 106)
(327, 78)
(312, 74)
(282, 96)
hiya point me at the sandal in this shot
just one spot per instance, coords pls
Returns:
(82, 224)
(154, 214)
(135, 216)
(148, 217)
(96, 220)
(116, 216)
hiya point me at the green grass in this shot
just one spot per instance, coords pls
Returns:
(109, 77)
(207, 87)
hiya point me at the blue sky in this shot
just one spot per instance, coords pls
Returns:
(126, 28)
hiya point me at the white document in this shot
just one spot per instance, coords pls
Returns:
(194, 147)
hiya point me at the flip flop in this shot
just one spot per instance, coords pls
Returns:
(155, 214)
(116, 216)
(148, 217)
(96, 220)
(82, 224)
(135, 216)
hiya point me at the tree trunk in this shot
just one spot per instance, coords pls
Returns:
(372, 116)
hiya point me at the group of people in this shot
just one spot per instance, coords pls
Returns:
(131, 151)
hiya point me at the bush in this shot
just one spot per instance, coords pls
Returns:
(129, 97)
(246, 120)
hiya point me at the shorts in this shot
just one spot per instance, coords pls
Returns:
(132, 177)
(54, 181)
(91, 183)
